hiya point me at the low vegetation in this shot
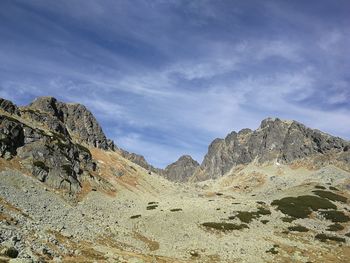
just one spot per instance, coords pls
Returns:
(151, 207)
(330, 196)
(175, 209)
(335, 216)
(224, 226)
(135, 216)
(288, 219)
(247, 217)
(324, 238)
(302, 206)
(335, 227)
(320, 187)
(298, 228)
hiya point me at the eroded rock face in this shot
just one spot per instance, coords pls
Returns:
(181, 170)
(73, 120)
(8, 106)
(40, 137)
(274, 141)
(11, 136)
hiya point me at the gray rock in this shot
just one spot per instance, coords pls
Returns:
(274, 140)
(9, 107)
(181, 170)
(11, 136)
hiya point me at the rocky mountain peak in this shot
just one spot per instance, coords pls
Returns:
(69, 118)
(181, 170)
(274, 141)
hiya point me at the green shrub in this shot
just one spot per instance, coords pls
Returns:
(224, 226)
(331, 196)
(320, 187)
(264, 221)
(335, 216)
(335, 227)
(175, 209)
(298, 228)
(288, 219)
(151, 207)
(324, 238)
(135, 216)
(333, 188)
(302, 206)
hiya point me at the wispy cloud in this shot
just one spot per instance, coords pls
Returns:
(166, 77)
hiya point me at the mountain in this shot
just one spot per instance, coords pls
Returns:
(68, 194)
(275, 141)
(181, 170)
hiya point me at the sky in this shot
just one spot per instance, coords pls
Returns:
(165, 78)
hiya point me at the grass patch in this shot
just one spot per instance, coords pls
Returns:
(219, 194)
(288, 219)
(333, 188)
(135, 216)
(264, 221)
(224, 226)
(335, 227)
(302, 206)
(347, 234)
(41, 165)
(324, 238)
(330, 196)
(320, 187)
(298, 228)
(152, 203)
(151, 207)
(175, 209)
(335, 216)
(260, 202)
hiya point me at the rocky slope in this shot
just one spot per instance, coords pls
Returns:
(275, 141)
(65, 196)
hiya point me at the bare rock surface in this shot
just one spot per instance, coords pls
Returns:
(274, 141)
(181, 170)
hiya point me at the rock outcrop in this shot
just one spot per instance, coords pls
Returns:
(69, 118)
(181, 170)
(48, 137)
(274, 141)
(8, 106)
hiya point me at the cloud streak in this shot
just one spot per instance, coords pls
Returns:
(166, 77)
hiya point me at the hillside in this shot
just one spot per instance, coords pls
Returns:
(68, 194)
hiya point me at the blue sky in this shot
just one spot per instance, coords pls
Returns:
(164, 78)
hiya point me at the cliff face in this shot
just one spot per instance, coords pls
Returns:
(48, 138)
(73, 119)
(274, 141)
